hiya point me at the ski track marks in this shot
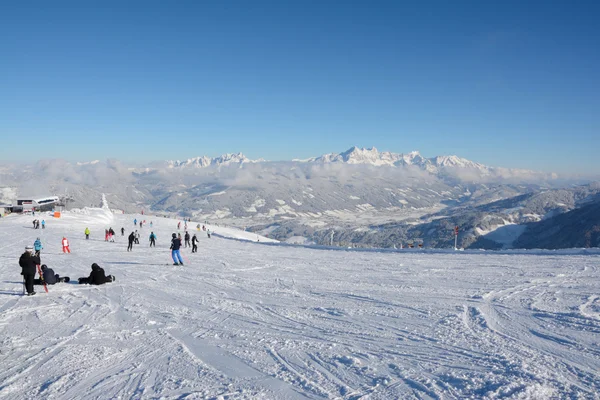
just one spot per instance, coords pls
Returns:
(245, 321)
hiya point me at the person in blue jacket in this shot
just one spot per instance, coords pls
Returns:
(37, 245)
(152, 239)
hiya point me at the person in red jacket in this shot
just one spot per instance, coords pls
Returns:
(65, 245)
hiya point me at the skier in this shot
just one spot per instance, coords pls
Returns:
(111, 234)
(131, 240)
(150, 224)
(175, 245)
(137, 237)
(106, 235)
(152, 239)
(140, 224)
(135, 222)
(28, 262)
(34, 223)
(179, 225)
(43, 224)
(49, 277)
(97, 276)
(208, 233)
(187, 239)
(194, 244)
(122, 231)
(65, 245)
(87, 233)
(37, 245)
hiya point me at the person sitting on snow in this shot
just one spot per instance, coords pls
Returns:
(97, 277)
(49, 277)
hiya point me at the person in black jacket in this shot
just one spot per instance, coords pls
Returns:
(49, 277)
(28, 263)
(97, 276)
(187, 239)
(131, 239)
(194, 244)
(175, 253)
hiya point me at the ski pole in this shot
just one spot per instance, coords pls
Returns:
(23, 285)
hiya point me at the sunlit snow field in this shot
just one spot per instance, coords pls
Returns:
(246, 320)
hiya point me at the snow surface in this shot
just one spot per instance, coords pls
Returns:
(245, 320)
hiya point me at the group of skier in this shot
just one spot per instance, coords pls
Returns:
(30, 264)
(30, 259)
(36, 224)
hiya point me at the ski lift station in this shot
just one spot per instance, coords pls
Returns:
(29, 204)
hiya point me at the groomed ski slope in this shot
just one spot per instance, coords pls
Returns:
(245, 320)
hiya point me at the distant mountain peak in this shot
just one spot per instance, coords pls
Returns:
(205, 161)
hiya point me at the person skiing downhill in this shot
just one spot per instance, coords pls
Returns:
(37, 245)
(122, 231)
(152, 239)
(65, 245)
(187, 239)
(131, 239)
(175, 253)
(194, 244)
(87, 233)
(43, 224)
(135, 222)
(137, 237)
(28, 262)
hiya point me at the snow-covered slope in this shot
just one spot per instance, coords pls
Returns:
(245, 320)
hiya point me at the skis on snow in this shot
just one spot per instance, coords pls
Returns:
(42, 278)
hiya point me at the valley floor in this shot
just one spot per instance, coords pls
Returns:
(244, 320)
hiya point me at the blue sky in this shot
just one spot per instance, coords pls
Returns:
(513, 84)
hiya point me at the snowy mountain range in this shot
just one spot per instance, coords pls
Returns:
(449, 165)
(204, 161)
(357, 192)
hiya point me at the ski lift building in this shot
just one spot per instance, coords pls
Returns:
(46, 203)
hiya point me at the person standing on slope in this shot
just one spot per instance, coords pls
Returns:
(152, 239)
(43, 224)
(194, 244)
(65, 245)
(122, 231)
(137, 237)
(131, 239)
(28, 263)
(175, 254)
(135, 222)
(37, 246)
(87, 233)
(187, 239)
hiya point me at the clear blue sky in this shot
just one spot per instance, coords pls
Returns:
(507, 83)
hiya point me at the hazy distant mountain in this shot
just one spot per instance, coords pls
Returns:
(368, 197)
(204, 161)
(450, 166)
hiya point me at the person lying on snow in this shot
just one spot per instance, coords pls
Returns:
(97, 277)
(49, 277)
